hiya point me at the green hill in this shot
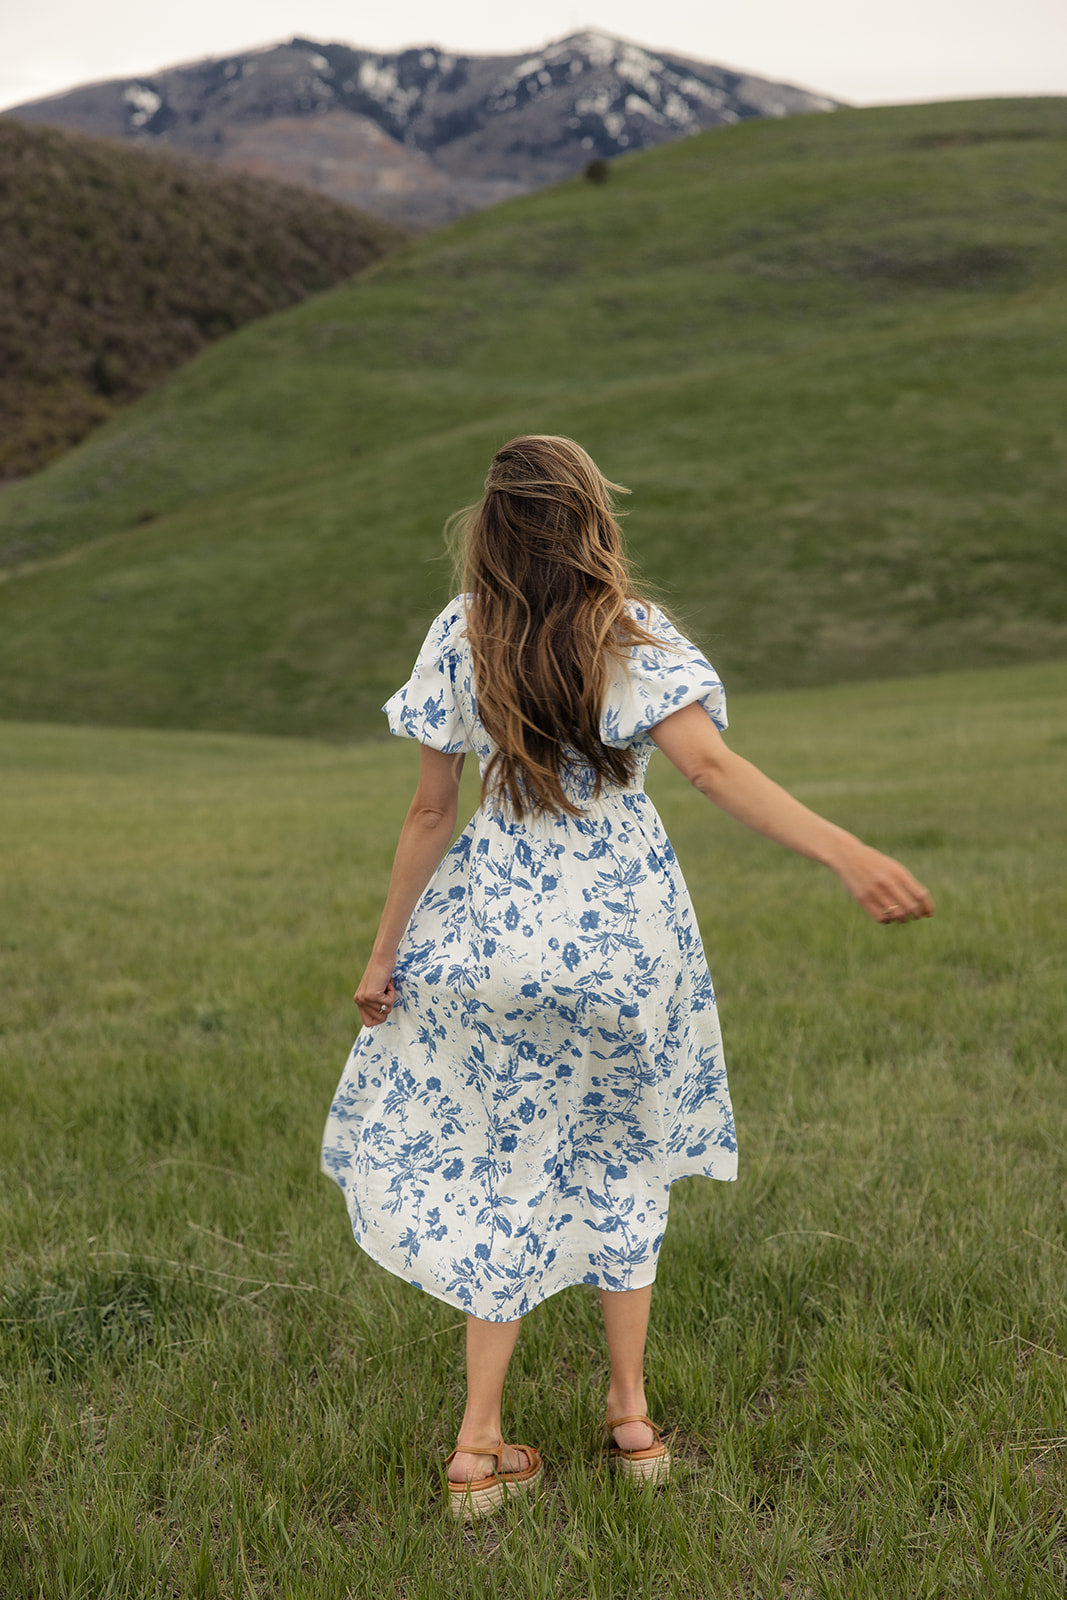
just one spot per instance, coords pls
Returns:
(826, 353)
(116, 266)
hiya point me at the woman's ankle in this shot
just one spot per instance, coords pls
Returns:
(627, 1402)
(477, 1430)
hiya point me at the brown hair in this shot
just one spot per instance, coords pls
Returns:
(543, 568)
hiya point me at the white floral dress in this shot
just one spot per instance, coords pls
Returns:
(553, 1061)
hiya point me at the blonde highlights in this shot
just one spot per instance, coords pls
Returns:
(547, 583)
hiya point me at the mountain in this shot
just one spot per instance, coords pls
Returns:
(825, 354)
(422, 135)
(116, 266)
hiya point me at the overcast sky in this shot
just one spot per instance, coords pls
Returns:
(856, 50)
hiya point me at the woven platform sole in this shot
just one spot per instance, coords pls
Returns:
(652, 1466)
(469, 1501)
(653, 1470)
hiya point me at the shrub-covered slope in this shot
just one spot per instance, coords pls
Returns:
(827, 354)
(115, 268)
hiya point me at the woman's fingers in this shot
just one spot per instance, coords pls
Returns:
(373, 1009)
(374, 1001)
(898, 897)
(885, 889)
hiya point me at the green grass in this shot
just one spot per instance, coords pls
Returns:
(825, 353)
(863, 1343)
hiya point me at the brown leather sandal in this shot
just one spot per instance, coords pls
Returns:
(478, 1496)
(651, 1465)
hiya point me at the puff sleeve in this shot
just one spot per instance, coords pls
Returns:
(429, 707)
(655, 680)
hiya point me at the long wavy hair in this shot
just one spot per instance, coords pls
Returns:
(540, 559)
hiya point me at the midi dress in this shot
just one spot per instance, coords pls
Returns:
(552, 1062)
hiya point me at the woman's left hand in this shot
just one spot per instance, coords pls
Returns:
(884, 887)
(376, 994)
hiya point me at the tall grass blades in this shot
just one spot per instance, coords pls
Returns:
(861, 1345)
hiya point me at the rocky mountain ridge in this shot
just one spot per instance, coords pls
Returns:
(423, 134)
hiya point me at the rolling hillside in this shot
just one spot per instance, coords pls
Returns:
(826, 353)
(115, 268)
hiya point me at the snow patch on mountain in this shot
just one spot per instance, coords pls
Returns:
(378, 77)
(143, 103)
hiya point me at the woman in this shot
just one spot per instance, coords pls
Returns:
(541, 1056)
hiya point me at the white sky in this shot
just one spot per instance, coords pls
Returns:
(867, 53)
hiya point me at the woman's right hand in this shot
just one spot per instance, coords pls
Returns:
(883, 887)
(376, 994)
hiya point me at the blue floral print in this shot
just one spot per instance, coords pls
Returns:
(553, 1061)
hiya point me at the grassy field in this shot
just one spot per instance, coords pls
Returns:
(826, 353)
(207, 1391)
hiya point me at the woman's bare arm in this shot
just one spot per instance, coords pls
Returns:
(882, 886)
(424, 839)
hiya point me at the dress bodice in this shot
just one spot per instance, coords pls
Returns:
(438, 704)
